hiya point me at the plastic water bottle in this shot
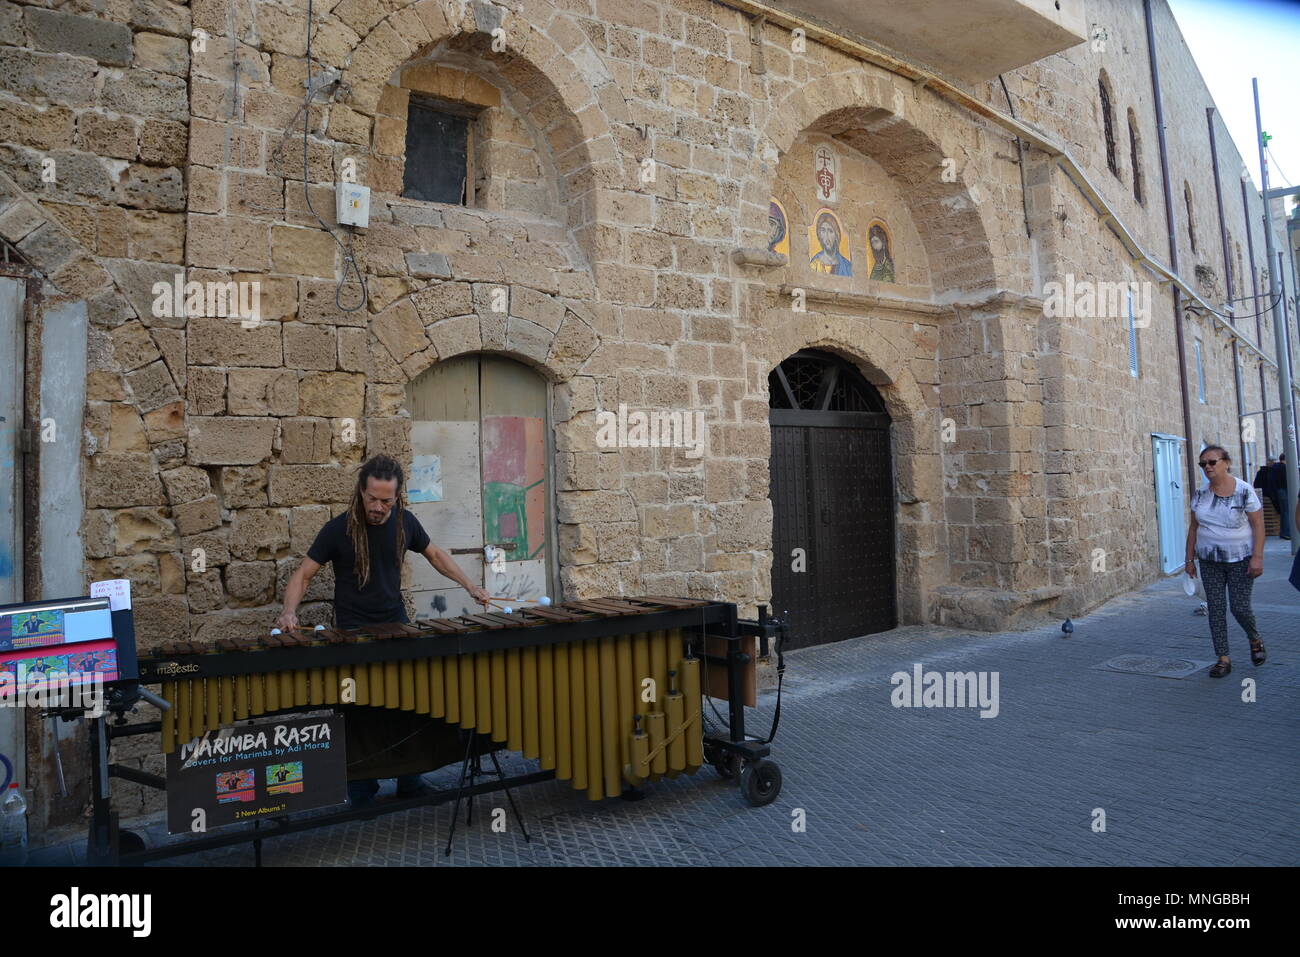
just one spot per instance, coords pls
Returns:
(13, 831)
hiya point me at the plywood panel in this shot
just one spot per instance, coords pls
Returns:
(454, 519)
(456, 601)
(525, 581)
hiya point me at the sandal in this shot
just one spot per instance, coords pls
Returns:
(1220, 669)
(1257, 655)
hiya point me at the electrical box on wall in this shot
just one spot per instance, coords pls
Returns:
(353, 205)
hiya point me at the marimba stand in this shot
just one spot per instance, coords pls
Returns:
(473, 766)
(108, 845)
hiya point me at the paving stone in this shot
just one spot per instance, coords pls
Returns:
(893, 786)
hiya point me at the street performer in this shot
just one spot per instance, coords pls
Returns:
(367, 545)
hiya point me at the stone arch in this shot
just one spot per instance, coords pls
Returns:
(121, 346)
(882, 120)
(881, 362)
(71, 272)
(917, 463)
(55, 254)
(571, 97)
(443, 320)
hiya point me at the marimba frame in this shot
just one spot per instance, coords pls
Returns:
(760, 778)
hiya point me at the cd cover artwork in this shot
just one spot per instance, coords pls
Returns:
(284, 778)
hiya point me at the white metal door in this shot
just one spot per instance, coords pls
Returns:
(1168, 457)
(12, 296)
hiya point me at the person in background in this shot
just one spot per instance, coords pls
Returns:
(1264, 478)
(1226, 534)
(1277, 492)
(1294, 579)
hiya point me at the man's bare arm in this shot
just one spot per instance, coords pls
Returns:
(293, 592)
(447, 567)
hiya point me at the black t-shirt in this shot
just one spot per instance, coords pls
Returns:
(380, 602)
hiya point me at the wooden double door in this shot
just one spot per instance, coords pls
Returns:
(832, 491)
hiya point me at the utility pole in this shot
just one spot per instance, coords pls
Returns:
(1280, 335)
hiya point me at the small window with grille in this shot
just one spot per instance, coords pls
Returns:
(439, 151)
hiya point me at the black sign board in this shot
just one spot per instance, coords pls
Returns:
(274, 767)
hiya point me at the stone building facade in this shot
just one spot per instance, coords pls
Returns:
(625, 158)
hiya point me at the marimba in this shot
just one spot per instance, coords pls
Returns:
(605, 692)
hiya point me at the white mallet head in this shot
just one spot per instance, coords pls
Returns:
(543, 600)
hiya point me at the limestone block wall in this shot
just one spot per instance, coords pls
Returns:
(186, 158)
(1099, 418)
(625, 150)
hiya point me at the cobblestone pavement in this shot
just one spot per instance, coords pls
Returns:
(1185, 771)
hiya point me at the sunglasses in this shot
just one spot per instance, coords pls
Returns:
(1208, 462)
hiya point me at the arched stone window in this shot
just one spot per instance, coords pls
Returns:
(1240, 274)
(1108, 122)
(454, 131)
(1135, 158)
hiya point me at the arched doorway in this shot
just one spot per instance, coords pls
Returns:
(832, 491)
(481, 455)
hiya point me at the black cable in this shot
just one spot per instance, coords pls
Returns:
(349, 260)
(1020, 153)
(780, 682)
(1194, 306)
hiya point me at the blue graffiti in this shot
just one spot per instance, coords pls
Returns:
(6, 563)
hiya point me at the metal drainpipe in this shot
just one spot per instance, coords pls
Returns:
(1173, 242)
(1286, 331)
(1227, 281)
(1259, 323)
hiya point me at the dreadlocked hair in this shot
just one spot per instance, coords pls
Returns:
(384, 468)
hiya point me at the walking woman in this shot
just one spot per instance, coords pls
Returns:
(1227, 536)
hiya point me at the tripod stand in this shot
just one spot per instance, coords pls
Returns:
(472, 767)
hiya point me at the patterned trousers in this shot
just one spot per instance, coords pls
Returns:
(1214, 576)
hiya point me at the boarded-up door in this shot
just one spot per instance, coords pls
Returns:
(480, 477)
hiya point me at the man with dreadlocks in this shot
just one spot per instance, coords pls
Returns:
(367, 545)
